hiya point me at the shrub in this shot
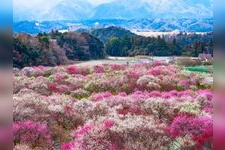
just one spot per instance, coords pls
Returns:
(72, 70)
(122, 134)
(188, 62)
(148, 82)
(21, 147)
(189, 124)
(32, 133)
(112, 107)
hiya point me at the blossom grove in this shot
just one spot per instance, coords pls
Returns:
(155, 106)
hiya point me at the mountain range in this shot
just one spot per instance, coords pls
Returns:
(133, 9)
(117, 9)
(161, 25)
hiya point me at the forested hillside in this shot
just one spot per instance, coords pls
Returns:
(121, 42)
(179, 45)
(104, 34)
(56, 48)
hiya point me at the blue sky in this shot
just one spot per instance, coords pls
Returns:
(48, 3)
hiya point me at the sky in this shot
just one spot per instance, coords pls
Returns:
(34, 3)
(49, 3)
(98, 2)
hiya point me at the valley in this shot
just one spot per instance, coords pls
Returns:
(112, 75)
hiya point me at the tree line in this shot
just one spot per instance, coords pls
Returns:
(56, 48)
(182, 44)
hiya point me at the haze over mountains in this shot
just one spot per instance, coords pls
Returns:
(133, 9)
(40, 10)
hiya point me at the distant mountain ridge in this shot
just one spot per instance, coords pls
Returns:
(130, 9)
(162, 25)
(63, 10)
(118, 9)
(133, 9)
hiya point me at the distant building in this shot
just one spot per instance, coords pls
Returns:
(53, 40)
(205, 57)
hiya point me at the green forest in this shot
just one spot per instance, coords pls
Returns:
(56, 48)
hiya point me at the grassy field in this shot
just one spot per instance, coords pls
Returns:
(201, 69)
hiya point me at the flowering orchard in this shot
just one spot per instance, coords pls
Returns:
(112, 107)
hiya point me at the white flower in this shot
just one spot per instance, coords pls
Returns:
(56, 108)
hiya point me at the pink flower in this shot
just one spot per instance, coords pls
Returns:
(133, 74)
(59, 76)
(83, 130)
(108, 123)
(112, 146)
(207, 93)
(189, 124)
(155, 71)
(100, 96)
(167, 95)
(63, 88)
(155, 94)
(158, 63)
(66, 146)
(52, 86)
(116, 67)
(99, 69)
(184, 83)
(72, 69)
(32, 133)
(122, 94)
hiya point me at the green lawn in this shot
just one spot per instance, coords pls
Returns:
(202, 69)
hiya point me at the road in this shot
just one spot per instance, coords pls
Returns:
(122, 60)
